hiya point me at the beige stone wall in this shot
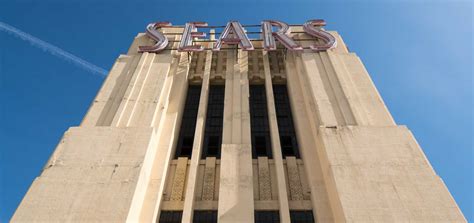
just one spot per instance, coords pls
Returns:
(356, 164)
(381, 175)
(369, 169)
(94, 175)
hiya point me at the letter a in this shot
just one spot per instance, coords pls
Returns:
(233, 34)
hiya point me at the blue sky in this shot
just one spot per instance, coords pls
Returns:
(419, 54)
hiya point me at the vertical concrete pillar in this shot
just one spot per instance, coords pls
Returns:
(107, 92)
(310, 108)
(197, 143)
(236, 203)
(276, 147)
(126, 106)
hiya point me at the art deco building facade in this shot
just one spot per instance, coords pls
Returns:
(238, 136)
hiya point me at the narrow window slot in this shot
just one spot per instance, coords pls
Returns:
(260, 130)
(188, 122)
(286, 129)
(214, 122)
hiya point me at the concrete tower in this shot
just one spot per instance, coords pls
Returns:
(238, 136)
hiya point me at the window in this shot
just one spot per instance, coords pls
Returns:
(267, 217)
(205, 217)
(301, 217)
(289, 144)
(214, 120)
(260, 131)
(188, 123)
(170, 217)
(286, 146)
(213, 146)
(259, 146)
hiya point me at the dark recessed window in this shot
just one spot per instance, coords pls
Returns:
(205, 217)
(260, 146)
(187, 146)
(170, 217)
(287, 146)
(213, 146)
(286, 129)
(188, 122)
(267, 217)
(260, 131)
(214, 120)
(301, 217)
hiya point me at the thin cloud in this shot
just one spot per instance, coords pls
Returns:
(54, 50)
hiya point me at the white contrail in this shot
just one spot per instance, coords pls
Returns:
(54, 50)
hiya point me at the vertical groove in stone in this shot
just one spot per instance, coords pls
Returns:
(133, 98)
(339, 97)
(121, 110)
(107, 92)
(153, 91)
(357, 115)
(111, 109)
(328, 88)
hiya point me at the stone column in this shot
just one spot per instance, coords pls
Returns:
(188, 208)
(305, 121)
(236, 203)
(276, 147)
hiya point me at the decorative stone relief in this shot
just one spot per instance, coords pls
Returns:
(209, 178)
(179, 179)
(196, 69)
(277, 64)
(294, 182)
(264, 179)
(255, 66)
(218, 65)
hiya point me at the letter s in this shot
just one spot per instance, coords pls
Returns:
(161, 40)
(310, 29)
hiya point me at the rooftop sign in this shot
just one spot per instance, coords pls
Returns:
(234, 34)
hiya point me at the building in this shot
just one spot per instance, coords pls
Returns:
(238, 136)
